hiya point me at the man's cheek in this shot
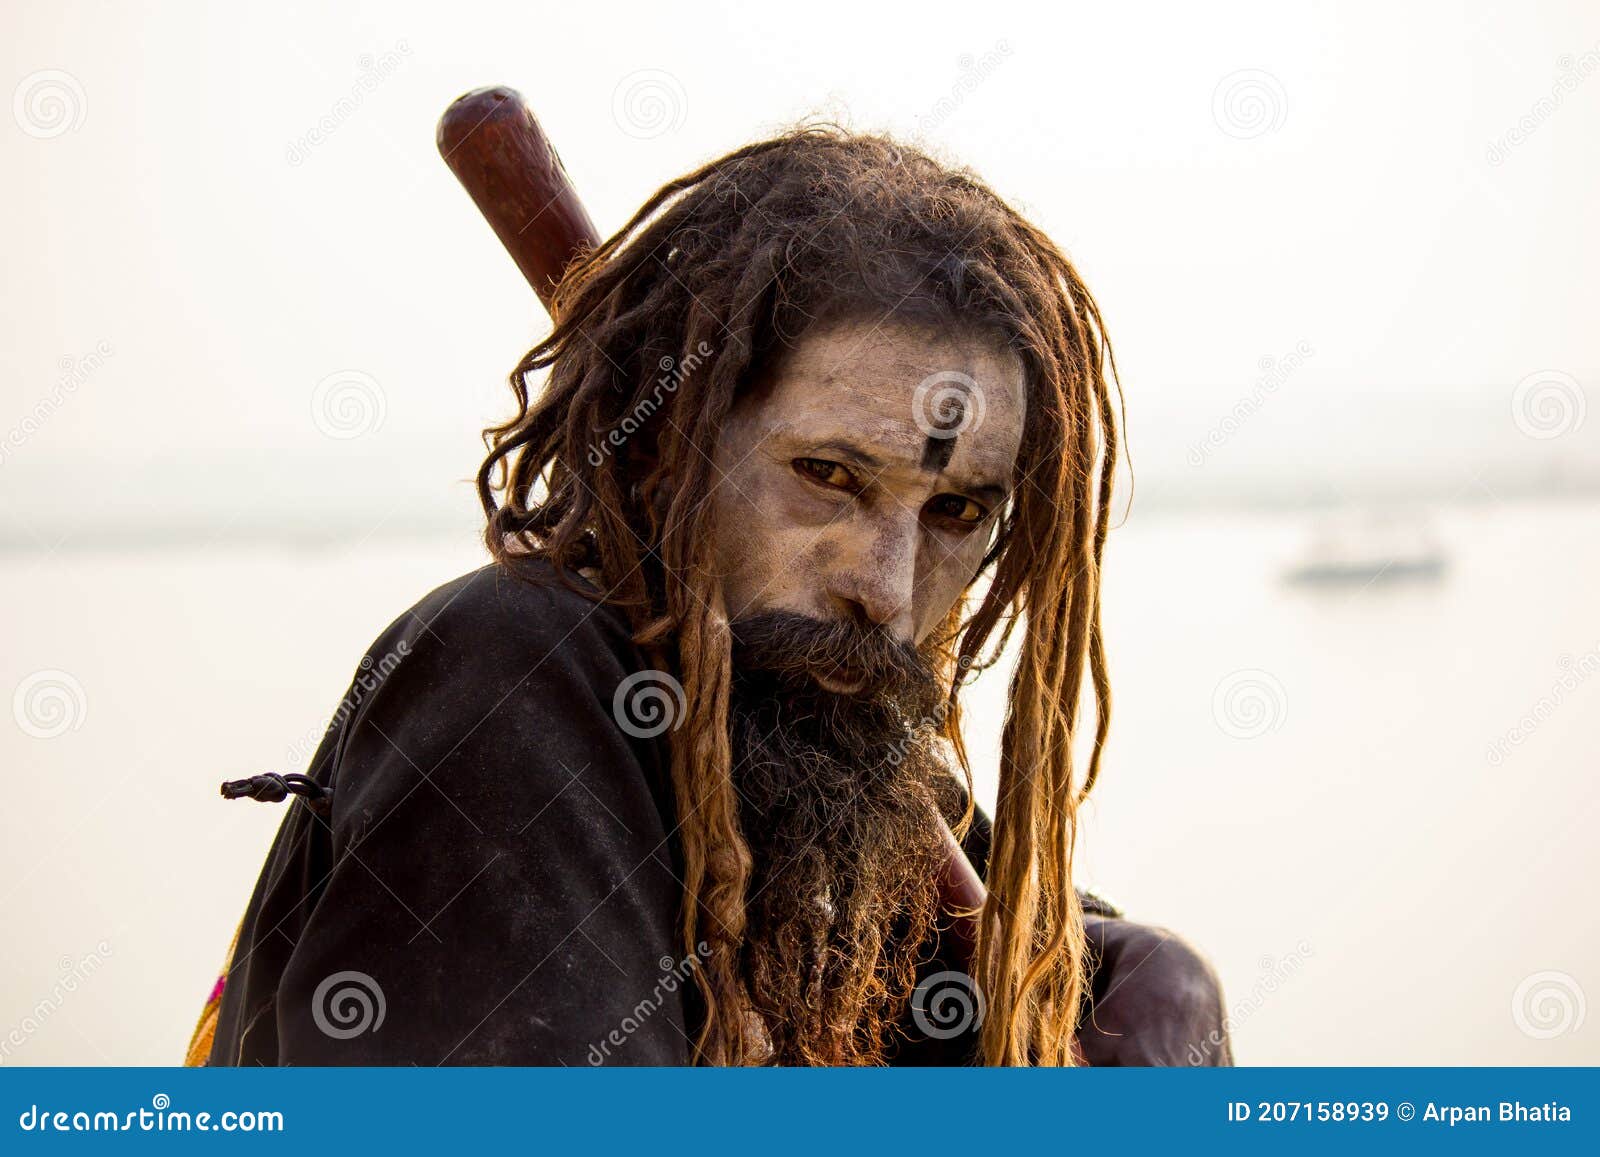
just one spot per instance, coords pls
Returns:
(796, 556)
(738, 550)
(941, 585)
(788, 570)
(785, 523)
(764, 566)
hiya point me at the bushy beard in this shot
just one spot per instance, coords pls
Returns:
(841, 798)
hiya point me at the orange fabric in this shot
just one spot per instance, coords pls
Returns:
(205, 1030)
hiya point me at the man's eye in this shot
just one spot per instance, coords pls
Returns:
(954, 506)
(825, 472)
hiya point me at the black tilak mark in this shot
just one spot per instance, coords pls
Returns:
(950, 413)
(937, 453)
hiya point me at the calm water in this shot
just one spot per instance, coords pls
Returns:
(1372, 808)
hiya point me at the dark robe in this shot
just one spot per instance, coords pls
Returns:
(497, 877)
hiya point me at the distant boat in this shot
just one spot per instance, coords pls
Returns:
(1363, 549)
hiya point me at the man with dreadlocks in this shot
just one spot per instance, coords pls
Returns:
(825, 425)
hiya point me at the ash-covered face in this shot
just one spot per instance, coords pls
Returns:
(860, 486)
(862, 480)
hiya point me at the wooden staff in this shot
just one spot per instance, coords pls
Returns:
(494, 145)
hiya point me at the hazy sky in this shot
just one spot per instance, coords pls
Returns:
(209, 210)
(1342, 250)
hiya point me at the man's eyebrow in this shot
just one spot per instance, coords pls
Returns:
(991, 492)
(849, 450)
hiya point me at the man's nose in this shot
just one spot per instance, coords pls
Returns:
(877, 585)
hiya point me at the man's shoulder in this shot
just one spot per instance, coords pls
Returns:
(498, 688)
(496, 607)
(512, 658)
